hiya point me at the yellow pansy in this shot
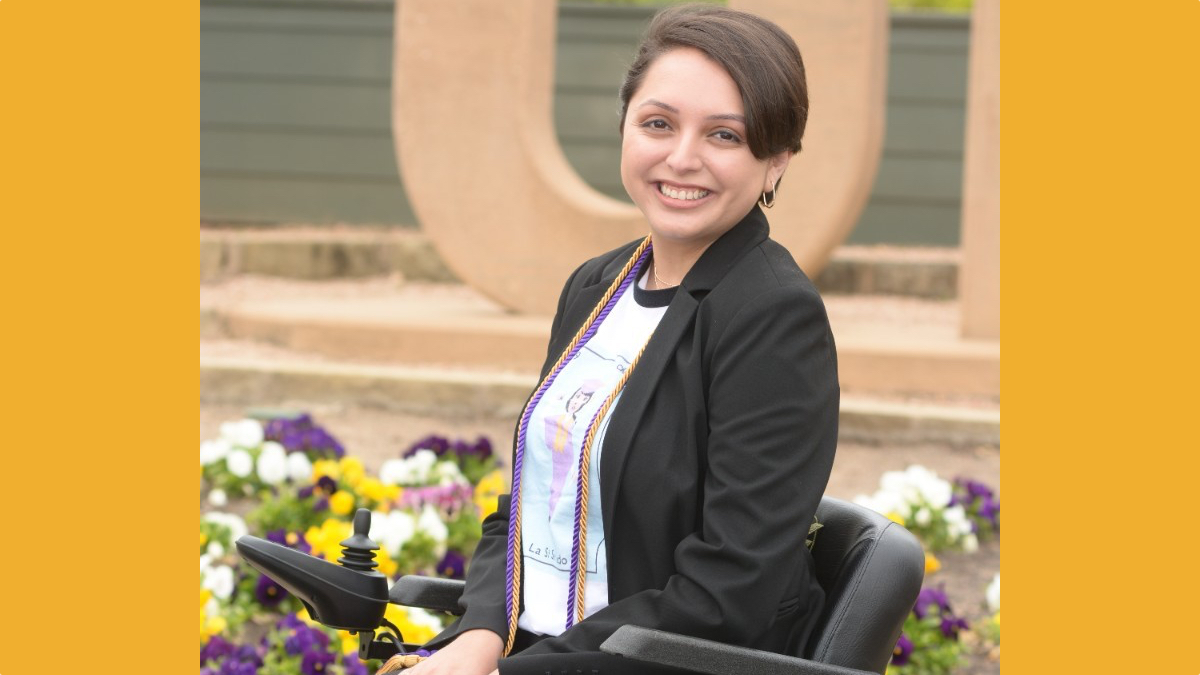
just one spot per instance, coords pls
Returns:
(326, 539)
(895, 518)
(303, 616)
(378, 493)
(209, 625)
(349, 642)
(341, 503)
(203, 540)
(387, 566)
(932, 564)
(325, 467)
(351, 469)
(488, 491)
(412, 632)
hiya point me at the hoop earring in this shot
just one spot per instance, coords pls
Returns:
(767, 202)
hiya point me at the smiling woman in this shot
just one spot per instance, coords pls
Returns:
(685, 159)
(667, 467)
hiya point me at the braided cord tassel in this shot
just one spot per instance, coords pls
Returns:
(512, 590)
(578, 585)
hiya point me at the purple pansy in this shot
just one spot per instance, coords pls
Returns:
(215, 649)
(250, 654)
(353, 666)
(315, 662)
(903, 651)
(327, 485)
(453, 565)
(268, 592)
(300, 434)
(291, 621)
(950, 625)
(299, 641)
(233, 667)
(930, 596)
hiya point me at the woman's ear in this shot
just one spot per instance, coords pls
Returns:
(776, 165)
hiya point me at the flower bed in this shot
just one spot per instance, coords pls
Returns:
(290, 481)
(944, 516)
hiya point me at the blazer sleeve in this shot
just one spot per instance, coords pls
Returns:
(773, 410)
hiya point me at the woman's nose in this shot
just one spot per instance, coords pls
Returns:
(685, 156)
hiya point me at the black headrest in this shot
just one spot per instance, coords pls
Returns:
(859, 554)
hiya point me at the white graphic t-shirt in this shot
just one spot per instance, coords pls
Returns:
(550, 475)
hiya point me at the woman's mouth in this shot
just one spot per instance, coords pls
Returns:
(682, 194)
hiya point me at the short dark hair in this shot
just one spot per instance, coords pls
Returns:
(759, 56)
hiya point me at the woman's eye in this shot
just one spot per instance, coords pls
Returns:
(728, 136)
(655, 124)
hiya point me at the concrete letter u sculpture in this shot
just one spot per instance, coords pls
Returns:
(472, 115)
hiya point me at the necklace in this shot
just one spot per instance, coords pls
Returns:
(661, 283)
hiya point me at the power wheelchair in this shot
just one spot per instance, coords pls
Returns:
(870, 568)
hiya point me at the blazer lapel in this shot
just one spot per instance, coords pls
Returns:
(641, 385)
(626, 418)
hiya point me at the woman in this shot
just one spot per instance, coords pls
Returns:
(711, 419)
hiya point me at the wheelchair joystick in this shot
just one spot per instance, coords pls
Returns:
(358, 551)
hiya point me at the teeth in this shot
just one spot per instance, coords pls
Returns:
(681, 194)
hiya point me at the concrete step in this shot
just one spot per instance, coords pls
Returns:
(335, 252)
(886, 345)
(249, 374)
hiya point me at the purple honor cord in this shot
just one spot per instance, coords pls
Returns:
(511, 601)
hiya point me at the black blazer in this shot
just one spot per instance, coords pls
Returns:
(714, 461)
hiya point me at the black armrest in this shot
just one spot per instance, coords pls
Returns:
(427, 593)
(706, 656)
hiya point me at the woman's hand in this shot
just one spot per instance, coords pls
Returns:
(475, 652)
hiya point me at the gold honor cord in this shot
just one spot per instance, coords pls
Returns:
(515, 526)
(585, 467)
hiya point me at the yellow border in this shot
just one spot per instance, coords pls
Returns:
(98, 201)
(1101, 129)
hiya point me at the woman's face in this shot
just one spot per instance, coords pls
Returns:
(684, 156)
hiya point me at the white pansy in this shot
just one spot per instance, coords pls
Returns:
(212, 608)
(421, 464)
(394, 472)
(420, 617)
(431, 524)
(883, 502)
(272, 463)
(957, 521)
(299, 468)
(970, 543)
(923, 517)
(392, 530)
(214, 450)
(993, 594)
(245, 433)
(448, 473)
(217, 497)
(240, 463)
(935, 491)
(205, 562)
(219, 580)
(215, 549)
(237, 526)
(414, 470)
